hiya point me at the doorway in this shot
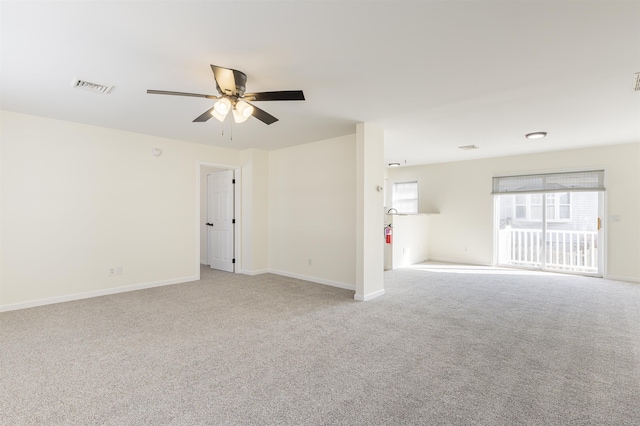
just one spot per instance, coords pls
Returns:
(218, 225)
(554, 225)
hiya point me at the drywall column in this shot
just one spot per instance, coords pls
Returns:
(369, 211)
(255, 211)
(1, 223)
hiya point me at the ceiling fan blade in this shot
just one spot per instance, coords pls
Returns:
(228, 81)
(193, 95)
(204, 117)
(282, 95)
(262, 115)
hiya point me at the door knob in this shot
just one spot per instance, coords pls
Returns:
(209, 224)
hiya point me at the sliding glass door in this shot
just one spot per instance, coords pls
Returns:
(551, 227)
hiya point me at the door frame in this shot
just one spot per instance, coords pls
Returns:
(237, 213)
(603, 210)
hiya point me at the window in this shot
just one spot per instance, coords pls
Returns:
(526, 201)
(405, 197)
(529, 207)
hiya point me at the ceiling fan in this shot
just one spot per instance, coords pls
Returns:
(231, 87)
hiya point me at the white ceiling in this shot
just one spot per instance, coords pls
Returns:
(434, 75)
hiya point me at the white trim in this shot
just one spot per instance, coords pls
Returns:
(604, 237)
(622, 278)
(96, 293)
(256, 272)
(369, 296)
(317, 280)
(237, 212)
(458, 261)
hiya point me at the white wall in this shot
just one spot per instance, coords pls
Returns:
(410, 240)
(255, 211)
(78, 199)
(460, 191)
(312, 211)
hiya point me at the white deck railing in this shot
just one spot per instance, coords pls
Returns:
(575, 251)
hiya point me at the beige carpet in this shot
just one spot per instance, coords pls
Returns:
(446, 345)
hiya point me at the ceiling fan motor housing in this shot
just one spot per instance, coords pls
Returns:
(241, 83)
(229, 82)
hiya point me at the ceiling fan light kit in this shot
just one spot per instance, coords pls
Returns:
(216, 115)
(244, 109)
(222, 107)
(230, 84)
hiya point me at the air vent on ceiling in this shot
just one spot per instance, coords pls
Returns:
(467, 147)
(636, 82)
(91, 87)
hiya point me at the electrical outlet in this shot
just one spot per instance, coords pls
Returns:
(614, 218)
(116, 270)
(466, 248)
(309, 262)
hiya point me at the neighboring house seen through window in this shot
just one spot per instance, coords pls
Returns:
(528, 207)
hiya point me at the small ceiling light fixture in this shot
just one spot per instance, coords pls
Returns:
(394, 164)
(536, 135)
(468, 147)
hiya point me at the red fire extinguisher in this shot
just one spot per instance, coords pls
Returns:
(388, 234)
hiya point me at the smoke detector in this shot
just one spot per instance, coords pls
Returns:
(468, 147)
(636, 82)
(90, 86)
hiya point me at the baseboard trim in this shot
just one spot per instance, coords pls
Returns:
(254, 272)
(97, 293)
(622, 278)
(367, 297)
(316, 280)
(457, 261)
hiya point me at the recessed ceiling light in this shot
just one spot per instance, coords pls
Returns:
(536, 135)
(394, 164)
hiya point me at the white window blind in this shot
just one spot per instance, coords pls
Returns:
(551, 182)
(405, 197)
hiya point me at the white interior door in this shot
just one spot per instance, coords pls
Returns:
(220, 220)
